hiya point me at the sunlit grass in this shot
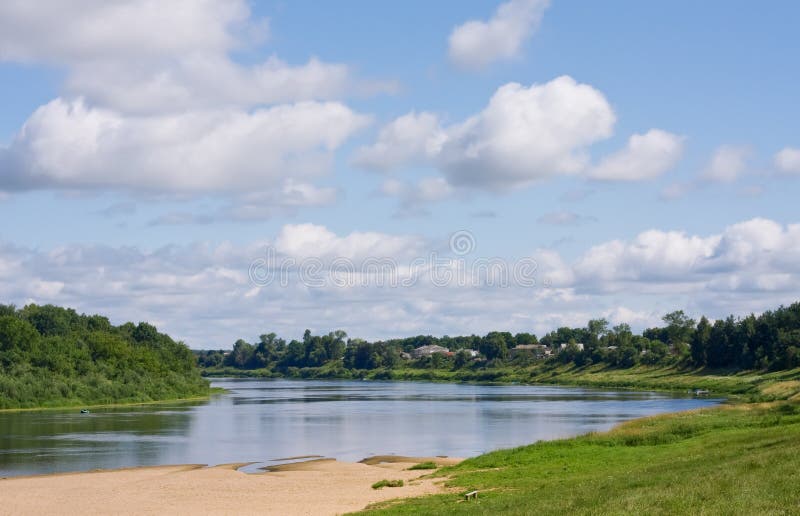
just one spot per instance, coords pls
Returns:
(727, 460)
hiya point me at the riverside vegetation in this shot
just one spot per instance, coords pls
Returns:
(55, 357)
(734, 459)
(730, 356)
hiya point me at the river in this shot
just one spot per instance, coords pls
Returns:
(265, 420)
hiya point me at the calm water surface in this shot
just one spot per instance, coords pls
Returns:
(262, 421)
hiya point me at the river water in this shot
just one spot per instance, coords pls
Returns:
(266, 420)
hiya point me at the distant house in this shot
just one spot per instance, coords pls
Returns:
(578, 344)
(426, 351)
(471, 352)
(539, 350)
(405, 356)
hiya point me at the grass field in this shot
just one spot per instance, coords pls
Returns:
(734, 459)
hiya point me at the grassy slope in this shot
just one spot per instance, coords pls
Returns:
(741, 459)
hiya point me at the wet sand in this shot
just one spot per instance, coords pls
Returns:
(322, 486)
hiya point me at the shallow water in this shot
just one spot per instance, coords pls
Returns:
(263, 420)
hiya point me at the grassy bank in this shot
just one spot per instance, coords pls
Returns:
(743, 385)
(98, 406)
(735, 459)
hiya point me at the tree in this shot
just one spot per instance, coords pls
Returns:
(598, 327)
(241, 355)
(679, 327)
(699, 346)
(493, 346)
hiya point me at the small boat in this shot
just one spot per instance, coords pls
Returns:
(84, 411)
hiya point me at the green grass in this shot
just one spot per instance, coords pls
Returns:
(741, 459)
(387, 483)
(213, 391)
(424, 465)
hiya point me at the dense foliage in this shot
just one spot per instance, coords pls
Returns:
(769, 341)
(52, 356)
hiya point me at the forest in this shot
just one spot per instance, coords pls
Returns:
(53, 357)
(770, 341)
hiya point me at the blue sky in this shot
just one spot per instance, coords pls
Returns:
(124, 169)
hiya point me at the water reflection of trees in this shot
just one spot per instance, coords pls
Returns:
(40, 442)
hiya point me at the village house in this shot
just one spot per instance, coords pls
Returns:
(426, 351)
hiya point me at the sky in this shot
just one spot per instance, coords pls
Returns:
(224, 168)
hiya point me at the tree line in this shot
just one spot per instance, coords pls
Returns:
(768, 341)
(53, 356)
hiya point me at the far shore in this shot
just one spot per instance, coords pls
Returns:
(214, 391)
(318, 486)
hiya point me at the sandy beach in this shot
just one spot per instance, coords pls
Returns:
(319, 487)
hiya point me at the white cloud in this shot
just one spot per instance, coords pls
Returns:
(750, 266)
(153, 101)
(311, 240)
(653, 255)
(526, 134)
(727, 163)
(523, 135)
(71, 145)
(646, 156)
(788, 160)
(411, 138)
(755, 257)
(476, 44)
(82, 30)
(202, 82)
(147, 57)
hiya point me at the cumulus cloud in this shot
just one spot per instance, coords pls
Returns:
(524, 135)
(146, 56)
(71, 145)
(312, 240)
(749, 266)
(646, 156)
(411, 138)
(527, 133)
(727, 163)
(476, 44)
(758, 256)
(788, 160)
(153, 101)
(79, 30)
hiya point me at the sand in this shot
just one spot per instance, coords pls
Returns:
(322, 486)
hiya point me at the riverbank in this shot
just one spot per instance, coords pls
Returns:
(739, 385)
(733, 459)
(212, 391)
(323, 486)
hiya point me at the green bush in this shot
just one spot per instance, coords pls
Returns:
(387, 483)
